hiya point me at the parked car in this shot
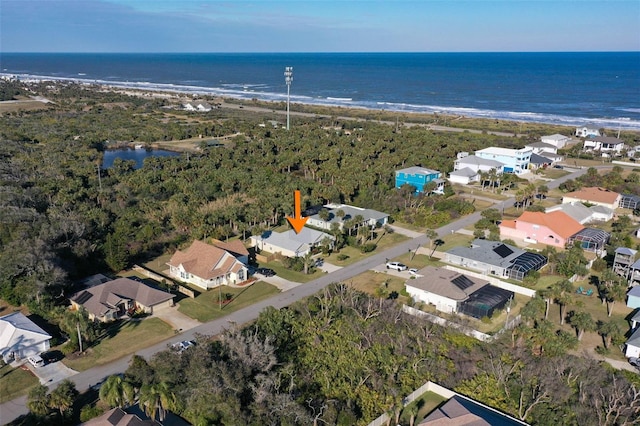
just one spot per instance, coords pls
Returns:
(36, 361)
(182, 346)
(414, 273)
(541, 196)
(634, 361)
(397, 266)
(558, 166)
(266, 272)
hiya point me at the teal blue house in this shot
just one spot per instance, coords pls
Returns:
(419, 177)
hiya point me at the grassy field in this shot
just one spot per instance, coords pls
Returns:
(291, 275)
(454, 240)
(369, 282)
(206, 307)
(15, 382)
(121, 339)
(383, 242)
(426, 403)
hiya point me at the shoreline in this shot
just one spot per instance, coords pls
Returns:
(168, 90)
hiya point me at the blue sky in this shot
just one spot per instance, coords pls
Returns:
(318, 26)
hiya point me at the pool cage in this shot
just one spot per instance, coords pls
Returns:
(525, 263)
(590, 239)
(630, 201)
(484, 302)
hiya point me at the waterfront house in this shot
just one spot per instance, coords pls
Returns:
(290, 243)
(496, 258)
(21, 338)
(207, 266)
(419, 177)
(341, 213)
(117, 298)
(587, 131)
(594, 195)
(552, 228)
(604, 144)
(514, 160)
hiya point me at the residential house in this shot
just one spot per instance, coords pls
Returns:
(539, 162)
(341, 213)
(552, 229)
(587, 131)
(496, 258)
(118, 417)
(594, 195)
(450, 291)
(591, 239)
(419, 178)
(545, 150)
(557, 140)
(632, 345)
(464, 176)
(634, 273)
(622, 261)
(208, 266)
(200, 106)
(629, 201)
(607, 146)
(290, 243)
(117, 298)
(21, 338)
(235, 247)
(635, 319)
(515, 160)
(459, 410)
(633, 297)
(583, 214)
(477, 164)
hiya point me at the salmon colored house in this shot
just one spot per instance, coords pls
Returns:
(594, 195)
(553, 229)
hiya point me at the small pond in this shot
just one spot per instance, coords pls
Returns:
(138, 155)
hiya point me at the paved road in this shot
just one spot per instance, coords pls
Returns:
(12, 409)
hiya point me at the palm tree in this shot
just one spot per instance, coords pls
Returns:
(117, 392)
(156, 399)
(616, 293)
(608, 331)
(63, 396)
(38, 401)
(582, 321)
(431, 235)
(562, 294)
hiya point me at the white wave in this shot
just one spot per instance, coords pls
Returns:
(329, 98)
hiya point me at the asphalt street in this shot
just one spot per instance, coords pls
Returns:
(83, 380)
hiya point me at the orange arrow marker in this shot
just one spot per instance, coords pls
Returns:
(297, 221)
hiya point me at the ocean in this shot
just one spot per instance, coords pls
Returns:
(596, 88)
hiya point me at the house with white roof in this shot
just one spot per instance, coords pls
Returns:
(515, 160)
(21, 338)
(419, 178)
(200, 106)
(464, 176)
(290, 243)
(546, 150)
(557, 140)
(341, 213)
(587, 131)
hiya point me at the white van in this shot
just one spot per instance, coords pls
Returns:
(36, 361)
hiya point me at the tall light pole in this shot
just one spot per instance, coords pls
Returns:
(288, 78)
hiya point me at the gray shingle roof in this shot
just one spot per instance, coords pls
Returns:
(417, 170)
(483, 251)
(440, 281)
(478, 161)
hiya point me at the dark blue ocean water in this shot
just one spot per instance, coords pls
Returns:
(564, 88)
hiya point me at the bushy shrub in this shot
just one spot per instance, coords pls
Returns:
(367, 248)
(342, 257)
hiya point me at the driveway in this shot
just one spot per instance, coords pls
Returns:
(177, 320)
(51, 373)
(281, 283)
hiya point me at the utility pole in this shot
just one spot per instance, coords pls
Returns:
(79, 336)
(288, 78)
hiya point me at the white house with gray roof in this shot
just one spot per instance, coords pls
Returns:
(464, 176)
(495, 258)
(476, 163)
(21, 338)
(582, 213)
(290, 243)
(341, 213)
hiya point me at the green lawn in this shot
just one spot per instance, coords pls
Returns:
(291, 275)
(369, 282)
(427, 402)
(206, 307)
(454, 240)
(382, 243)
(15, 382)
(120, 339)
